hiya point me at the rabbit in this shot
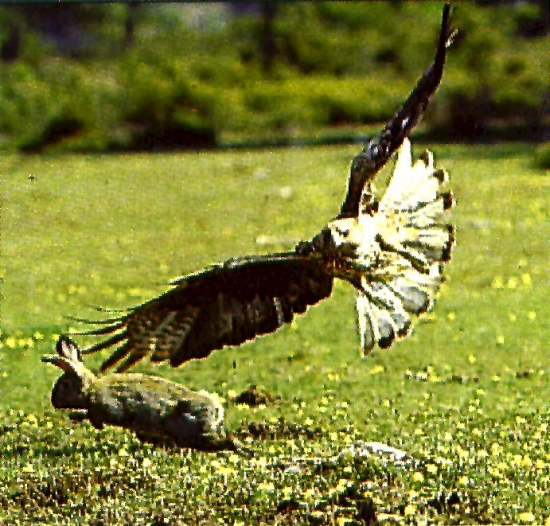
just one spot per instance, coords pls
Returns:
(157, 410)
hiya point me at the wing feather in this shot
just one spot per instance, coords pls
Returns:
(414, 239)
(380, 149)
(224, 305)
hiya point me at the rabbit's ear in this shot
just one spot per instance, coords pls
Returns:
(66, 348)
(68, 356)
(63, 363)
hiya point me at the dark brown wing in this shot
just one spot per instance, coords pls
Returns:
(379, 150)
(223, 305)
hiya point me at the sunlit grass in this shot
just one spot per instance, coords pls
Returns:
(466, 396)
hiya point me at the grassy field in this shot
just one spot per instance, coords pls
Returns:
(466, 396)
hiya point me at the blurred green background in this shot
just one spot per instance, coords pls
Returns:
(125, 77)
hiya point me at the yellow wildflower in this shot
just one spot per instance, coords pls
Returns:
(431, 469)
(526, 517)
(526, 279)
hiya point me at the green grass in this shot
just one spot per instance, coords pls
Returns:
(466, 395)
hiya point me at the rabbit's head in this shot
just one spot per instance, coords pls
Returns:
(70, 391)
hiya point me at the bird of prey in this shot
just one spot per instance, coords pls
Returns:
(392, 250)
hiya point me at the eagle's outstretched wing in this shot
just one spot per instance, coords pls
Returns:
(393, 253)
(225, 304)
(412, 242)
(379, 150)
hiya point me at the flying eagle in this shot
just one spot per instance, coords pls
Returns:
(391, 250)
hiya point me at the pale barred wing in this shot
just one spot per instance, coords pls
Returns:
(222, 306)
(415, 237)
(382, 316)
(412, 218)
(384, 307)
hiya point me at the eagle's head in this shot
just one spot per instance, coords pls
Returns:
(345, 246)
(345, 236)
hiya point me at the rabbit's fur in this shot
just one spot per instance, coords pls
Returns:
(156, 409)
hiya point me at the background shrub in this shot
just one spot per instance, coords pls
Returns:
(161, 77)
